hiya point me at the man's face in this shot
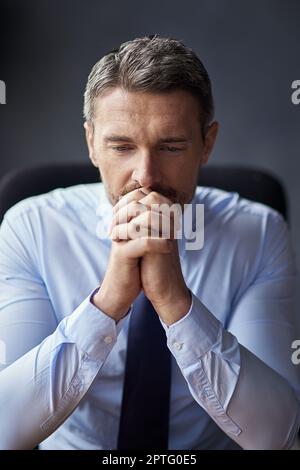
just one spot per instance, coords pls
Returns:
(150, 140)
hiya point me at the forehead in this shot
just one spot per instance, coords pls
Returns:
(177, 109)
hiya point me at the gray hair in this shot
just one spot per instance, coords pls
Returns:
(151, 64)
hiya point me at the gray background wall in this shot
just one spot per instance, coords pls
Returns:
(251, 49)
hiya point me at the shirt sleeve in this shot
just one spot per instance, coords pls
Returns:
(243, 376)
(45, 367)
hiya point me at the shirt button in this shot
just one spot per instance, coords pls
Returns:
(108, 339)
(177, 345)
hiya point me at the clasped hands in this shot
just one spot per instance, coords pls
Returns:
(142, 257)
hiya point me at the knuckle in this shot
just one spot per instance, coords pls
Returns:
(147, 244)
(131, 229)
(113, 233)
(148, 217)
(155, 197)
(141, 207)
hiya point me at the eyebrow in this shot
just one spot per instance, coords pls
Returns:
(165, 140)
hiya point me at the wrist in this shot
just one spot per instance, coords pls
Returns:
(105, 303)
(171, 312)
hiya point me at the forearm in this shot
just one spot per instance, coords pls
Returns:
(43, 387)
(263, 405)
(251, 402)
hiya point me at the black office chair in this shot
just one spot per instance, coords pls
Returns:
(250, 183)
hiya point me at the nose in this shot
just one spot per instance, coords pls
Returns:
(146, 172)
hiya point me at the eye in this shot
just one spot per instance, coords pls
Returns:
(120, 148)
(172, 149)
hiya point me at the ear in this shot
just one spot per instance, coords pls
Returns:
(209, 141)
(89, 135)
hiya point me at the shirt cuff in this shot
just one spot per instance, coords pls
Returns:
(194, 334)
(92, 330)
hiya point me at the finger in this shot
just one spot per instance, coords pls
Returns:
(141, 246)
(157, 224)
(135, 195)
(135, 208)
(126, 213)
(159, 203)
(171, 215)
(155, 198)
(147, 224)
(128, 232)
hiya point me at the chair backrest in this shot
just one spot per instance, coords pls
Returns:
(251, 183)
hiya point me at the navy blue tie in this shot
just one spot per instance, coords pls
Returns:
(144, 420)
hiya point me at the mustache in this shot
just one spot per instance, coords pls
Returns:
(168, 192)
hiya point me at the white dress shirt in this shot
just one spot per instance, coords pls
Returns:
(62, 360)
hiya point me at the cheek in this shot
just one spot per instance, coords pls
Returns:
(113, 174)
(185, 171)
(106, 164)
(186, 177)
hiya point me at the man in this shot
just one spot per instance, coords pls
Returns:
(68, 296)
